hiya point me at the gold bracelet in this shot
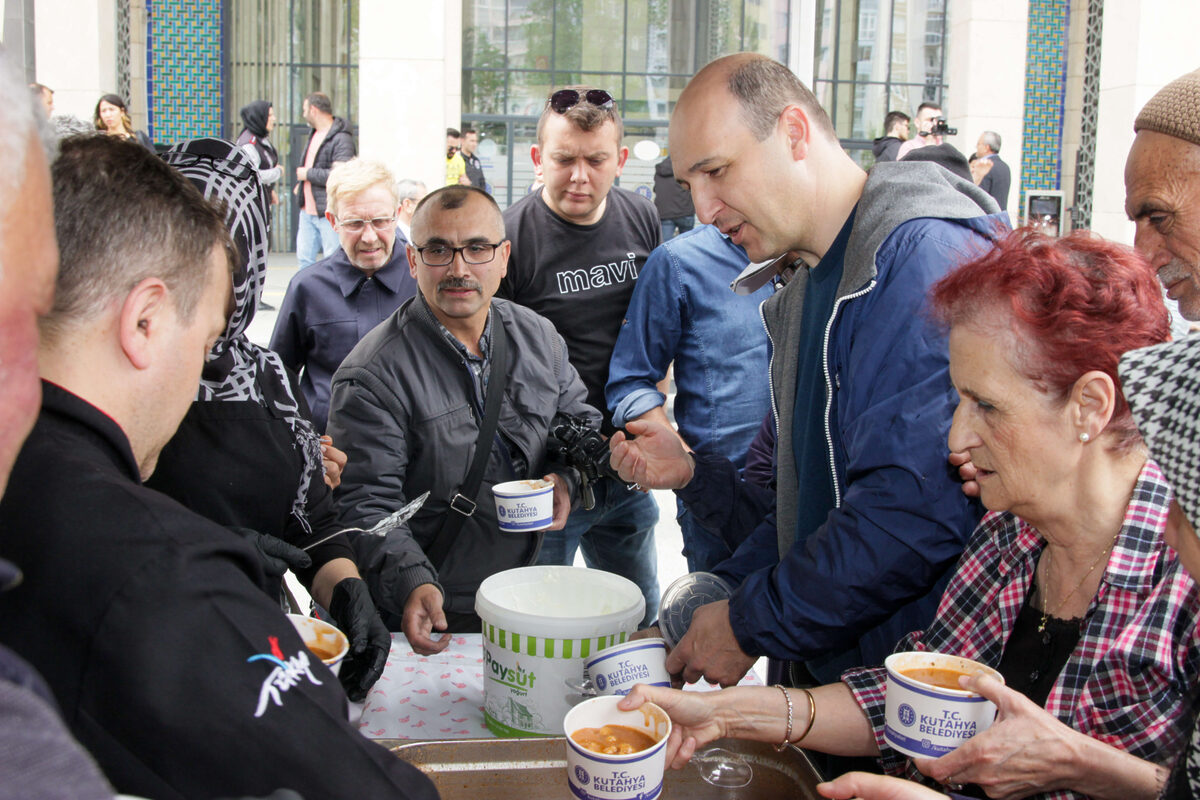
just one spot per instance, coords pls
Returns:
(779, 748)
(812, 715)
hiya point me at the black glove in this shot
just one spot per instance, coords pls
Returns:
(275, 555)
(370, 641)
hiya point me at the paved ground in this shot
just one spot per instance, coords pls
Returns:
(671, 564)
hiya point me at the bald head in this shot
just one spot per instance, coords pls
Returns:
(762, 87)
(450, 198)
(761, 159)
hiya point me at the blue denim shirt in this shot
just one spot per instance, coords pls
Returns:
(683, 310)
(328, 308)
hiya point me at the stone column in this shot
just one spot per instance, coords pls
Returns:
(409, 84)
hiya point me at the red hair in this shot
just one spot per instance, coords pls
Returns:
(1075, 304)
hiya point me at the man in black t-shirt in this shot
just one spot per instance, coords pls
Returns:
(577, 246)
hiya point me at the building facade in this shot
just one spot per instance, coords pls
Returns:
(1059, 80)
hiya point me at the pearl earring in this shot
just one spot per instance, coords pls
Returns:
(1083, 437)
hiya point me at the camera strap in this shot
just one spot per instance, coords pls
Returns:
(462, 505)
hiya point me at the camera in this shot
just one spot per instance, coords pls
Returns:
(942, 128)
(581, 447)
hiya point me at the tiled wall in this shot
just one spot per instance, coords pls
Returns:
(184, 68)
(1045, 88)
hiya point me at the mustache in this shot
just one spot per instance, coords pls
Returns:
(459, 283)
(1174, 270)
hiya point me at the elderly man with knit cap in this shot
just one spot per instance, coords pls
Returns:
(1162, 189)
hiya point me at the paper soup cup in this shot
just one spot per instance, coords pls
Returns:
(616, 669)
(928, 721)
(322, 639)
(524, 506)
(597, 776)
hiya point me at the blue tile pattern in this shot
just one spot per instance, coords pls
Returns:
(184, 78)
(1045, 90)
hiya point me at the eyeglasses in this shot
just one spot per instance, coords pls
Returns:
(380, 224)
(182, 160)
(564, 100)
(440, 255)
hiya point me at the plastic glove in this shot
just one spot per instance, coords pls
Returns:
(354, 613)
(275, 555)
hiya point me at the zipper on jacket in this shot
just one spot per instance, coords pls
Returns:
(762, 317)
(837, 491)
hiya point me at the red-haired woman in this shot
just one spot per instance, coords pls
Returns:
(1066, 587)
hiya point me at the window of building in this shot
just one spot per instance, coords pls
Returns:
(876, 56)
(281, 51)
(641, 51)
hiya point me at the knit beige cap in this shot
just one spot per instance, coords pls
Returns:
(1175, 110)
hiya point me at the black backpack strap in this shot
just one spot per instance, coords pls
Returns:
(462, 505)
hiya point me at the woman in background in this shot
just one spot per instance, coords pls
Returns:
(258, 120)
(112, 117)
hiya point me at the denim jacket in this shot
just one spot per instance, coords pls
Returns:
(683, 310)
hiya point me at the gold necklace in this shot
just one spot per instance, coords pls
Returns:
(1046, 615)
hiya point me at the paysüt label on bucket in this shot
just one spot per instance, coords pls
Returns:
(522, 675)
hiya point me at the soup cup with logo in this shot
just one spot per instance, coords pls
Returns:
(927, 715)
(617, 669)
(524, 506)
(629, 776)
(322, 640)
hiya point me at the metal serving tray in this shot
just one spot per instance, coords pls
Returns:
(520, 769)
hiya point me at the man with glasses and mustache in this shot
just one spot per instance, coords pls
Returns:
(409, 402)
(330, 306)
(578, 246)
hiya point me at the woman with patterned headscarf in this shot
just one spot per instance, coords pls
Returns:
(246, 454)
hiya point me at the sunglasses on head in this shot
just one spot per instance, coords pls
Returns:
(564, 100)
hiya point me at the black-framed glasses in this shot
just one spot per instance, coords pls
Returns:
(181, 160)
(564, 100)
(440, 255)
(380, 224)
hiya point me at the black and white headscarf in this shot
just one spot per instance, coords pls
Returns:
(1162, 385)
(237, 369)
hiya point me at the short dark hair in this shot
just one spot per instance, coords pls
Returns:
(892, 118)
(448, 198)
(764, 88)
(923, 106)
(123, 215)
(584, 116)
(321, 102)
(453, 133)
(465, 131)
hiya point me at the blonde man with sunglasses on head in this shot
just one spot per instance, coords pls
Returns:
(330, 306)
(578, 244)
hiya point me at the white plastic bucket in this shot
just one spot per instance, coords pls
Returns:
(539, 626)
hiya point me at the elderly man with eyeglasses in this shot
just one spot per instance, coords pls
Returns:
(334, 303)
(410, 402)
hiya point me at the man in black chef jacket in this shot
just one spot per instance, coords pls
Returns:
(170, 664)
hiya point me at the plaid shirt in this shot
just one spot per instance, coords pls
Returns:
(1129, 678)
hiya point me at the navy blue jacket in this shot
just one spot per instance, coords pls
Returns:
(875, 569)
